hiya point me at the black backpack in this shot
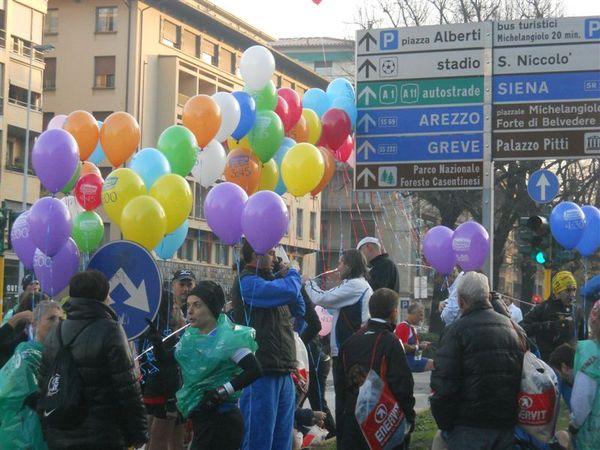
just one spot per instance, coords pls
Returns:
(61, 403)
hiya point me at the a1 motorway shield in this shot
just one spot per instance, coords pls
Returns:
(542, 186)
(135, 283)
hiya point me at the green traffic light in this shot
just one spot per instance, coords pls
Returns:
(540, 258)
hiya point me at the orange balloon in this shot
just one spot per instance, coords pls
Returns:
(84, 128)
(299, 132)
(243, 168)
(202, 116)
(329, 171)
(89, 167)
(120, 136)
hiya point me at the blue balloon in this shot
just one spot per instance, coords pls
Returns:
(567, 223)
(317, 100)
(278, 157)
(247, 114)
(348, 106)
(150, 164)
(172, 241)
(340, 88)
(590, 241)
(97, 155)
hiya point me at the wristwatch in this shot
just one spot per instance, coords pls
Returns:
(222, 392)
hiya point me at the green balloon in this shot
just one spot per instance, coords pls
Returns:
(179, 146)
(88, 231)
(73, 180)
(265, 98)
(266, 135)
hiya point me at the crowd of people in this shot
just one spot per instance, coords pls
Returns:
(234, 374)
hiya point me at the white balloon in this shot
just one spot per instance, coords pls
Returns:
(57, 121)
(210, 164)
(72, 205)
(257, 66)
(230, 114)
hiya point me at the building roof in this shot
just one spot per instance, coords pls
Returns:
(307, 42)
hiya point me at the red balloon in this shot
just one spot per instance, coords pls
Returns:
(336, 128)
(294, 104)
(88, 191)
(344, 151)
(283, 111)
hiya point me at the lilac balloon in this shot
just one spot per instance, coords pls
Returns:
(265, 220)
(50, 225)
(471, 245)
(54, 158)
(20, 238)
(567, 222)
(57, 121)
(437, 248)
(223, 209)
(55, 272)
(590, 240)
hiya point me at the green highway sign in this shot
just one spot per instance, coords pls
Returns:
(441, 91)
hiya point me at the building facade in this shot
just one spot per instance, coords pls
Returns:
(148, 58)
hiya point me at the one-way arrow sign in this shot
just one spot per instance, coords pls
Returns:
(367, 65)
(366, 148)
(367, 93)
(367, 39)
(137, 295)
(365, 175)
(542, 186)
(365, 121)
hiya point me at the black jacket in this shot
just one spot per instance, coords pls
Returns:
(116, 415)
(548, 325)
(9, 339)
(384, 273)
(355, 356)
(274, 332)
(477, 372)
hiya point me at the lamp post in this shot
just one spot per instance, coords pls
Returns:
(42, 48)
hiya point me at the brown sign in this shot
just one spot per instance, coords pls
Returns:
(420, 176)
(519, 116)
(546, 145)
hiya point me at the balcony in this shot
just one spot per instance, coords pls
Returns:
(24, 48)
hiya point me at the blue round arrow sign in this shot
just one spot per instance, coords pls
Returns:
(135, 283)
(542, 186)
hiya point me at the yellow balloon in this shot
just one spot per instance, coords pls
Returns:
(144, 221)
(269, 176)
(302, 168)
(242, 143)
(173, 193)
(313, 123)
(119, 188)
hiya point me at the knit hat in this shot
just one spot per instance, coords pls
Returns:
(27, 280)
(211, 294)
(561, 281)
(368, 240)
(595, 313)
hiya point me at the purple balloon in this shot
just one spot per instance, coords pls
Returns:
(223, 209)
(55, 272)
(437, 248)
(264, 220)
(471, 245)
(20, 238)
(54, 158)
(49, 225)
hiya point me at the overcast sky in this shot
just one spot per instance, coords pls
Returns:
(331, 18)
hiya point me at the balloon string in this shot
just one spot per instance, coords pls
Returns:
(585, 324)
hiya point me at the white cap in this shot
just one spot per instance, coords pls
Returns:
(368, 240)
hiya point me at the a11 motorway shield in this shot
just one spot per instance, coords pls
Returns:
(135, 283)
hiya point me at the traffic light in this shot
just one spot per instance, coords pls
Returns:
(533, 238)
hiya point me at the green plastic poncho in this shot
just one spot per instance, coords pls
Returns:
(587, 360)
(20, 426)
(205, 360)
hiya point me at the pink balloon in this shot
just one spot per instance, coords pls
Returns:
(57, 121)
(294, 104)
(326, 320)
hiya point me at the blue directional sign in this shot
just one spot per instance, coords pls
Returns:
(447, 147)
(542, 186)
(135, 283)
(420, 120)
(548, 86)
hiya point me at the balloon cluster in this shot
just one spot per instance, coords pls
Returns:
(468, 246)
(576, 227)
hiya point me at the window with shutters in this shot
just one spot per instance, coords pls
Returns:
(50, 74)
(106, 19)
(104, 72)
(171, 34)
(51, 22)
